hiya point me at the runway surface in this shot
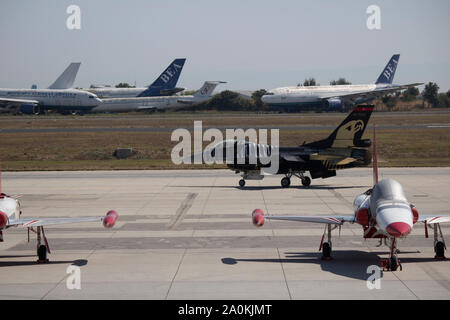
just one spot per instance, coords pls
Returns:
(170, 129)
(188, 235)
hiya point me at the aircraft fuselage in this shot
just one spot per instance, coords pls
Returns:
(54, 98)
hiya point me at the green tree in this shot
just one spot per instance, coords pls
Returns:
(340, 81)
(389, 101)
(309, 82)
(443, 100)
(410, 94)
(124, 85)
(225, 100)
(256, 96)
(430, 94)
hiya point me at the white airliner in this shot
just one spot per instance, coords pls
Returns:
(383, 212)
(164, 102)
(58, 96)
(334, 98)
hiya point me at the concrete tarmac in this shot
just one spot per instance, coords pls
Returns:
(188, 235)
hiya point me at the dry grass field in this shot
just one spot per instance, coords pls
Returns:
(89, 150)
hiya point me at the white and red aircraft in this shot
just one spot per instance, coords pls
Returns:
(10, 217)
(383, 212)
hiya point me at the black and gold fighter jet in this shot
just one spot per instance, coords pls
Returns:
(344, 148)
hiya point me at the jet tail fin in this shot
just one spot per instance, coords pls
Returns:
(67, 78)
(375, 157)
(166, 81)
(387, 76)
(207, 89)
(349, 132)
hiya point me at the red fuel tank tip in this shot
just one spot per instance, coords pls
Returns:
(3, 219)
(110, 219)
(258, 217)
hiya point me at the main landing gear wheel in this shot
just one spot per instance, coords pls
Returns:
(242, 183)
(393, 263)
(439, 249)
(306, 181)
(285, 182)
(326, 246)
(326, 251)
(42, 254)
(439, 243)
(42, 244)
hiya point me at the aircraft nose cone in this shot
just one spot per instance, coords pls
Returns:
(398, 229)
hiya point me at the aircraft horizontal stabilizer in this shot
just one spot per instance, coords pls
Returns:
(432, 219)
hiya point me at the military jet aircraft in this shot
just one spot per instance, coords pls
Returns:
(383, 212)
(10, 216)
(343, 148)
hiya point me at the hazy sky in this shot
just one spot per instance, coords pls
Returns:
(250, 44)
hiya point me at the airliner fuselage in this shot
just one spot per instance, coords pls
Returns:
(53, 97)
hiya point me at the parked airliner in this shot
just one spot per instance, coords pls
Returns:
(335, 98)
(58, 96)
(36, 101)
(165, 102)
(164, 85)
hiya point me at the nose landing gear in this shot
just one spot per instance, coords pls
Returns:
(285, 182)
(393, 263)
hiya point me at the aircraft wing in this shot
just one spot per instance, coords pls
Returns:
(354, 97)
(339, 220)
(16, 102)
(108, 221)
(329, 159)
(30, 222)
(294, 156)
(431, 219)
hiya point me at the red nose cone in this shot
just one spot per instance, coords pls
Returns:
(398, 229)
